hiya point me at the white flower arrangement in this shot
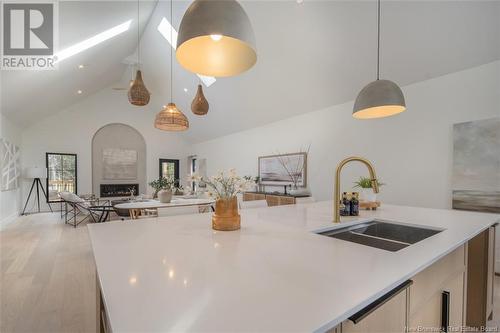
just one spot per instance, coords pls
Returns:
(224, 185)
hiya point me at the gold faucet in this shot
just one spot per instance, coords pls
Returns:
(373, 178)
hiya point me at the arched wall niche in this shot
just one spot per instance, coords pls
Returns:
(118, 158)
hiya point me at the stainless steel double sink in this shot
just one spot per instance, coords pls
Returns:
(382, 234)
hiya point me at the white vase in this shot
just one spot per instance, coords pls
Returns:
(368, 195)
(165, 196)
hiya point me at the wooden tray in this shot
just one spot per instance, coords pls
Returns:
(369, 205)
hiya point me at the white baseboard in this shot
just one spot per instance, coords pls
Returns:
(8, 220)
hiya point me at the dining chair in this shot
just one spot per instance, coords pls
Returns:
(253, 204)
(77, 207)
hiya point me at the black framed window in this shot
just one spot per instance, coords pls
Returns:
(61, 174)
(169, 168)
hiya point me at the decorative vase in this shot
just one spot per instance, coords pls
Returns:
(368, 195)
(165, 196)
(226, 217)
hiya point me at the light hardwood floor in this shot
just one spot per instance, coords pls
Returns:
(48, 277)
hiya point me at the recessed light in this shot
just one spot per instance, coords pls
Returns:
(299, 1)
(185, 89)
(81, 66)
(79, 92)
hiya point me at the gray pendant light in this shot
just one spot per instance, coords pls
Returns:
(380, 98)
(216, 39)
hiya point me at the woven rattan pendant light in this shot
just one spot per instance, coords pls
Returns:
(138, 94)
(380, 98)
(199, 105)
(170, 118)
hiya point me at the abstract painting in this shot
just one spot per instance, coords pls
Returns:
(119, 164)
(476, 165)
(10, 166)
(283, 169)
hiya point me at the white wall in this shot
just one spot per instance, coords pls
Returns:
(71, 131)
(412, 152)
(10, 201)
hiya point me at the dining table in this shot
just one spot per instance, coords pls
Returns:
(136, 207)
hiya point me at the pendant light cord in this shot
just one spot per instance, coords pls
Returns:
(378, 40)
(171, 60)
(138, 38)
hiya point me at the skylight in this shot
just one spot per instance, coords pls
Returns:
(91, 42)
(164, 28)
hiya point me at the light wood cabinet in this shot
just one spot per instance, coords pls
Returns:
(248, 196)
(431, 313)
(102, 323)
(279, 200)
(480, 278)
(272, 199)
(437, 296)
(490, 294)
(389, 317)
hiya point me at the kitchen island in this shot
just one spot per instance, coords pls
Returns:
(275, 274)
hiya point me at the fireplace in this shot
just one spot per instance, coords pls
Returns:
(118, 190)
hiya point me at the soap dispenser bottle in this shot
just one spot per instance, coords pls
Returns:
(354, 204)
(346, 203)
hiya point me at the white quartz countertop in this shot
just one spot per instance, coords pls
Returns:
(275, 274)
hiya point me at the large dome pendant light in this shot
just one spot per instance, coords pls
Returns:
(138, 94)
(216, 39)
(380, 98)
(170, 118)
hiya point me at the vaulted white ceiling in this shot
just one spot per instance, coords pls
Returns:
(28, 96)
(310, 56)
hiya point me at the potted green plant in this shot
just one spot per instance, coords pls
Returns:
(163, 188)
(366, 191)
